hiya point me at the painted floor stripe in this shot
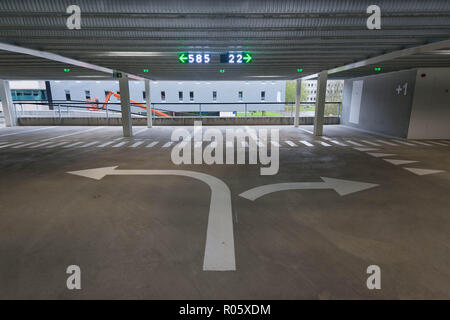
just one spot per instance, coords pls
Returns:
(371, 143)
(366, 149)
(27, 131)
(11, 144)
(56, 144)
(291, 143)
(354, 143)
(136, 144)
(310, 132)
(275, 144)
(244, 144)
(73, 133)
(306, 143)
(422, 143)
(73, 144)
(198, 144)
(438, 143)
(40, 144)
(89, 144)
(422, 172)
(387, 142)
(167, 144)
(379, 155)
(107, 143)
(406, 143)
(152, 144)
(338, 143)
(119, 144)
(24, 145)
(229, 144)
(325, 144)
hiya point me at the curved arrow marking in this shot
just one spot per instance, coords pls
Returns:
(342, 187)
(219, 247)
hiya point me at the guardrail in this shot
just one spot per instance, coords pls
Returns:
(62, 108)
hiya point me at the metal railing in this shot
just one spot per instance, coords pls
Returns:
(62, 108)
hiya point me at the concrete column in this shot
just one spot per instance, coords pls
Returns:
(125, 105)
(147, 103)
(320, 103)
(298, 91)
(9, 110)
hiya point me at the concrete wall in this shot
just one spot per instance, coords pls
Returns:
(385, 104)
(430, 115)
(176, 121)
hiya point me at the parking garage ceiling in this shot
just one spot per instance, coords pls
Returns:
(283, 36)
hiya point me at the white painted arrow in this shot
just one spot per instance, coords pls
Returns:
(342, 187)
(219, 247)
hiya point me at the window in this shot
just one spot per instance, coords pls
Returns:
(240, 95)
(180, 96)
(143, 95)
(163, 96)
(191, 96)
(87, 93)
(214, 95)
(67, 95)
(263, 95)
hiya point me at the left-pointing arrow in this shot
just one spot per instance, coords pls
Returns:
(183, 58)
(219, 247)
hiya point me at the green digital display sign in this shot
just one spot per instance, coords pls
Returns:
(194, 58)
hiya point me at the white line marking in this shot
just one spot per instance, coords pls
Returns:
(422, 143)
(11, 144)
(422, 172)
(140, 131)
(73, 133)
(119, 144)
(73, 144)
(27, 131)
(136, 144)
(291, 143)
(406, 143)
(107, 143)
(24, 145)
(310, 132)
(152, 144)
(366, 149)
(41, 144)
(56, 144)
(371, 143)
(244, 144)
(219, 247)
(354, 143)
(167, 144)
(438, 143)
(338, 143)
(229, 144)
(306, 143)
(325, 144)
(387, 142)
(379, 155)
(89, 144)
(399, 162)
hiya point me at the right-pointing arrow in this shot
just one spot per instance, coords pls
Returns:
(342, 187)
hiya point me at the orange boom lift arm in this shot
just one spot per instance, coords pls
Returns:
(108, 96)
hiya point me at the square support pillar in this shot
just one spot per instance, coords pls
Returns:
(298, 91)
(8, 107)
(320, 103)
(125, 106)
(147, 104)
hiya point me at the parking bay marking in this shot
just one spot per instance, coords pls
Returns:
(219, 247)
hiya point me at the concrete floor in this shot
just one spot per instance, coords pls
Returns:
(144, 236)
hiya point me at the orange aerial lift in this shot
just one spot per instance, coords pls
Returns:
(108, 96)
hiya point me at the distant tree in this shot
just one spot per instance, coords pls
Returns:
(290, 91)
